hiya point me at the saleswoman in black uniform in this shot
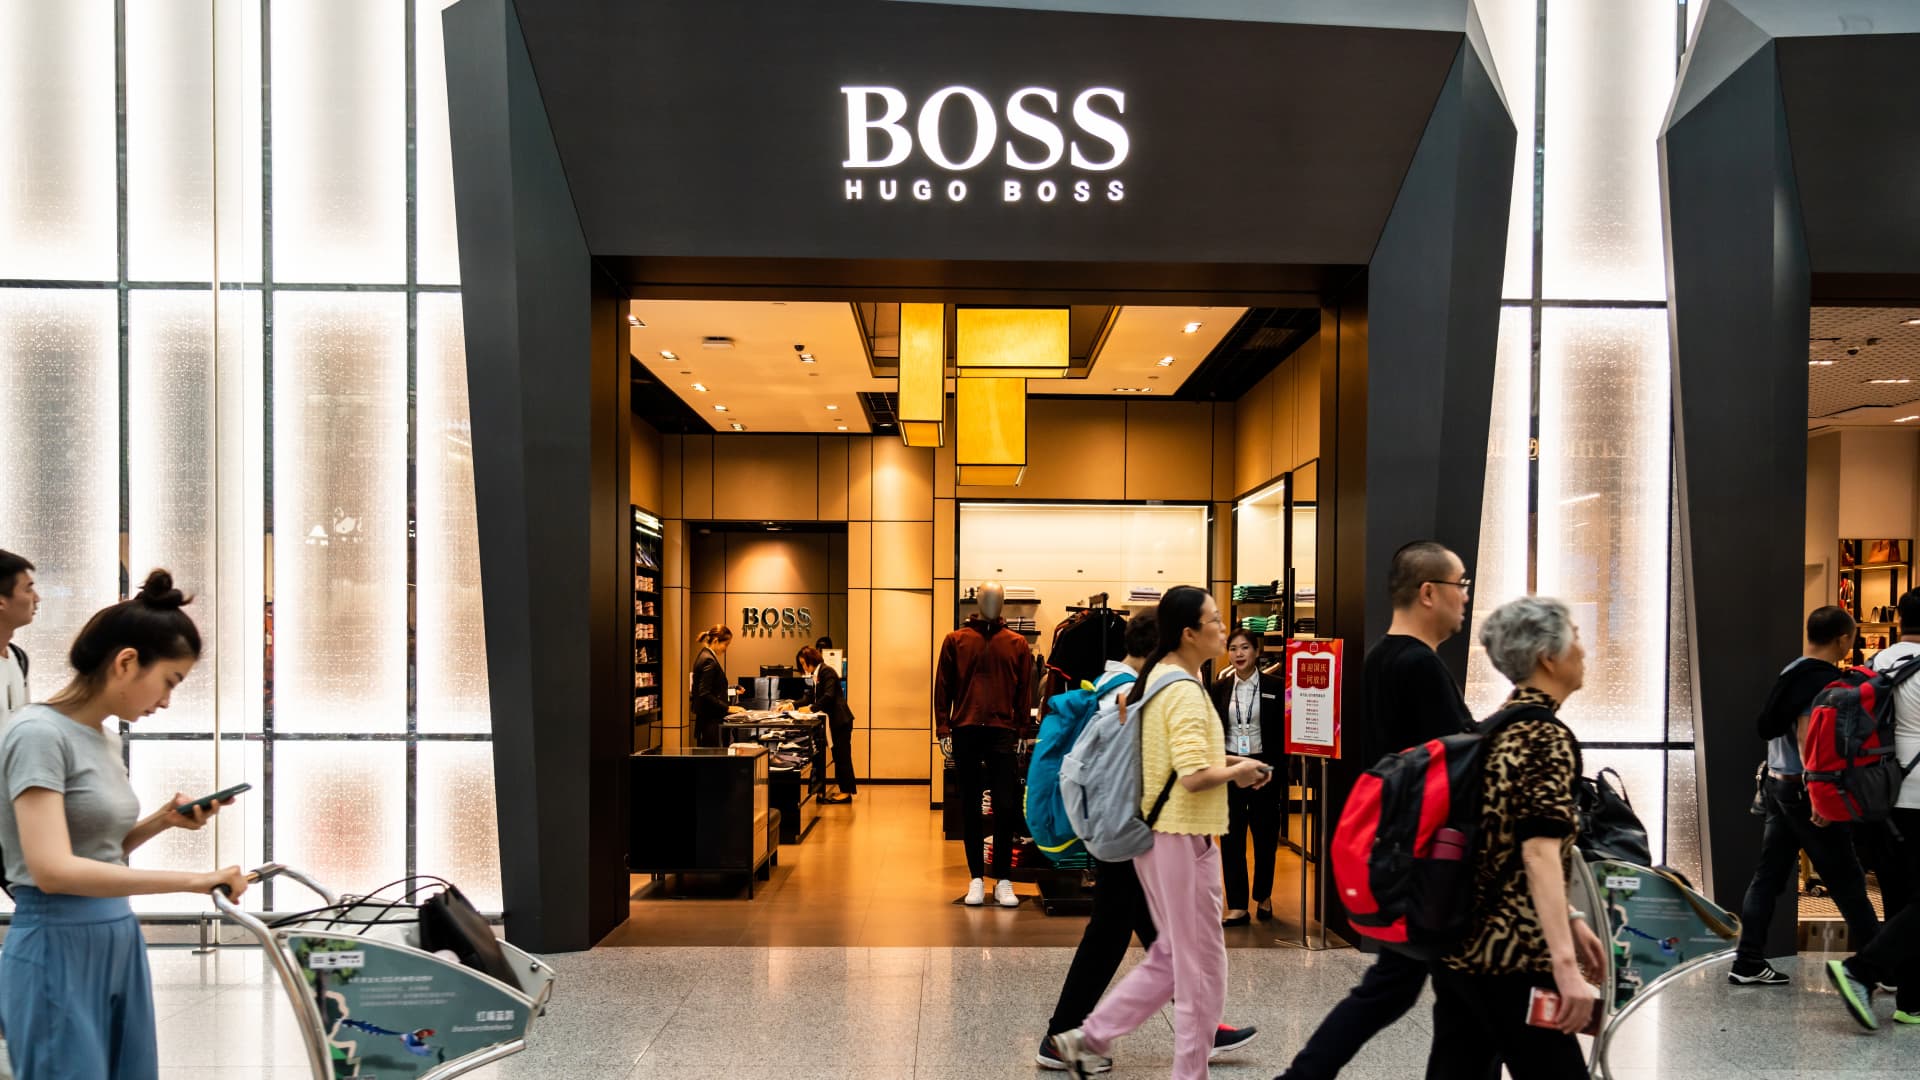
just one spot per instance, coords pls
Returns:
(1252, 707)
(708, 700)
(827, 693)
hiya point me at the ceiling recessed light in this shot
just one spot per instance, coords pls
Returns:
(1821, 363)
(667, 354)
(719, 408)
(1133, 389)
(702, 387)
(1889, 382)
(1911, 322)
(1191, 328)
(737, 426)
(840, 427)
(806, 358)
(1166, 361)
(1904, 419)
(634, 320)
(833, 408)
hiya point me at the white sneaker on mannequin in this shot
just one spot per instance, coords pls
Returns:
(1003, 894)
(977, 892)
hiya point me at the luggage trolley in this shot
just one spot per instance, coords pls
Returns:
(372, 1005)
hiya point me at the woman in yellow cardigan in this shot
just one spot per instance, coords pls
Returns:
(1180, 734)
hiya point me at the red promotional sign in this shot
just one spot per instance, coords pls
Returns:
(1314, 669)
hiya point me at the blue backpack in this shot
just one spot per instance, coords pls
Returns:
(1066, 716)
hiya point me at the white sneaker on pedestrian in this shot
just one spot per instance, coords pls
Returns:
(1003, 894)
(977, 892)
(1079, 1058)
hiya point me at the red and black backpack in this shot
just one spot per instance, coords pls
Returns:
(1403, 851)
(1851, 772)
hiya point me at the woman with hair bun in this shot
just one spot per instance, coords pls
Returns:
(76, 999)
(709, 696)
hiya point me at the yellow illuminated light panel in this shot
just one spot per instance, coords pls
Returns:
(1029, 343)
(991, 447)
(923, 374)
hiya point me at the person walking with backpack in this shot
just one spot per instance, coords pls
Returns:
(1523, 936)
(1791, 825)
(1409, 697)
(1184, 772)
(19, 602)
(1120, 909)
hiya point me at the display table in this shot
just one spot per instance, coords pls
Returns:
(701, 811)
(796, 782)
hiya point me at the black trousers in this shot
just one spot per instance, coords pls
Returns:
(1480, 1024)
(1893, 956)
(842, 733)
(1388, 989)
(1119, 914)
(706, 732)
(1256, 812)
(984, 759)
(1788, 831)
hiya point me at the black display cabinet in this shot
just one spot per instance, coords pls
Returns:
(647, 631)
(701, 811)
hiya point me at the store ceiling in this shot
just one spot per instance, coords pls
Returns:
(765, 386)
(1856, 359)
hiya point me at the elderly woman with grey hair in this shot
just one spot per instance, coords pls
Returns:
(1524, 936)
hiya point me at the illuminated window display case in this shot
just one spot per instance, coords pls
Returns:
(646, 631)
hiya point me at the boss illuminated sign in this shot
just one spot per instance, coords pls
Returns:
(1050, 148)
(766, 622)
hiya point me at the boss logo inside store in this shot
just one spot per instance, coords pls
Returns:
(766, 622)
(1090, 141)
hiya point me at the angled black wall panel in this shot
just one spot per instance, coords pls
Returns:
(1739, 277)
(543, 458)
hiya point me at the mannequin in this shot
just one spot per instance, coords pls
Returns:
(982, 696)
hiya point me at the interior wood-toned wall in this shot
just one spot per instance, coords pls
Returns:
(900, 507)
(1279, 422)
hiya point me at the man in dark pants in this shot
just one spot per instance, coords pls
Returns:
(1119, 910)
(1792, 826)
(1410, 697)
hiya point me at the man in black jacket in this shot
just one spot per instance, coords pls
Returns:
(1410, 697)
(1253, 709)
(1792, 826)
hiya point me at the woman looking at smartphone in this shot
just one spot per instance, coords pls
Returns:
(76, 999)
(1524, 935)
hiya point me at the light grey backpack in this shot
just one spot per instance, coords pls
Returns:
(1100, 780)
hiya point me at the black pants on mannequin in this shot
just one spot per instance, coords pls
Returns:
(1256, 812)
(1119, 914)
(984, 759)
(842, 734)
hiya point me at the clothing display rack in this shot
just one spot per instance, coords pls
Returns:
(796, 745)
(647, 635)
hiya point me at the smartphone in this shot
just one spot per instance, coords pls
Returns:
(1543, 1006)
(1268, 769)
(207, 801)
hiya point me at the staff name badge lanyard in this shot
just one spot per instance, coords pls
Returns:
(1243, 715)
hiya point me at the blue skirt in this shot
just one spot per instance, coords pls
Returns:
(76, 998)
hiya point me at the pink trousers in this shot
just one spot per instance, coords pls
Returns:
(1187, 963)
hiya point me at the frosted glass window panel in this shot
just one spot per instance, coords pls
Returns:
(158, 770)
(59, 194)
(459, 834)
(240, 454)
(239, 185)
(60, 486)
(439, 250)
(339, 141)
(451, 638)
(1683, 816)
(170, 473)
(1500, 572)
(1643, 775)
(1604, 468)
(1512, 33)
(1610, 69)
(340, 813)
(1259, 536)
(340, 512)
(1679, 636)
(170, 140)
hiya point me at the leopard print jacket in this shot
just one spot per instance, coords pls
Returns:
(1530, 771)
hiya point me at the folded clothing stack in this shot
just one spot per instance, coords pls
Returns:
(1141, 594)
(1256, 593)
(1261, 624)
(1024, 625)
(1023, 592)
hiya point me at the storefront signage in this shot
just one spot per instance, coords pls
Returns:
(897, 152)
(767, 622)
(1314, 670)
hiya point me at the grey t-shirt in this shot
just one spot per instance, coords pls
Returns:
(44, 749)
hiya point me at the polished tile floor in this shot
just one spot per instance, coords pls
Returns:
(873, 873)
(975, 1013)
